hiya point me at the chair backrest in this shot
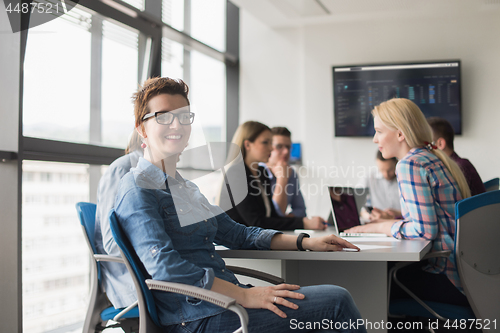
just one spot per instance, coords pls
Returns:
(492, 184)
(86, 213)
(137, 270)
(477, 250)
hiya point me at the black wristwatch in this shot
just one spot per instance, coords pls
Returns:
(299, 241)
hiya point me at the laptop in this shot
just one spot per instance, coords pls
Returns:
(346, 204)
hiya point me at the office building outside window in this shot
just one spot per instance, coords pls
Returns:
(55, 255)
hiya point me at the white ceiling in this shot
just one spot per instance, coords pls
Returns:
(288, 13)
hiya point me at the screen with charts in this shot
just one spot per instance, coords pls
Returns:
(434, 87)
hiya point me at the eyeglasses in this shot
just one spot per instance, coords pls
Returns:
(280, 146)
(167, 117)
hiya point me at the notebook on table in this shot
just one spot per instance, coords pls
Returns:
(346, 203)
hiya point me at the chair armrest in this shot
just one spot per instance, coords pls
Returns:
(184, 289)
(213, 297)
(106, 257)
(256, 274)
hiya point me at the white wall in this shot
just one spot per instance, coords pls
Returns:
(286, 80)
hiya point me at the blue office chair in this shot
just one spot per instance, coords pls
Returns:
(492, 185)
(415, 307)
(148, 316)
(478, 252)
(100, 311)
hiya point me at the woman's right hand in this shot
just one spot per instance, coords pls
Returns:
(268, 297)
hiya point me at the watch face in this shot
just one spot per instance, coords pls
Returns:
(25, 15)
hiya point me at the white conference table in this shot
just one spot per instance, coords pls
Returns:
(363, 273)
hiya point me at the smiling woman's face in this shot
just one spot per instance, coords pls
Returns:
(166, 140)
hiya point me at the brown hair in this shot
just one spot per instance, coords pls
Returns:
(153, 87)
(404, 115)
(281, 131)
(250, 131)
(441, 128)
(134, 143)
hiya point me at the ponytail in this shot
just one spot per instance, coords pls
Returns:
(455, 171)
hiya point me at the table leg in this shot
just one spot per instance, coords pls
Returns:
(365, 280)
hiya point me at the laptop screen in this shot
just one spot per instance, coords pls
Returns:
(344, 207)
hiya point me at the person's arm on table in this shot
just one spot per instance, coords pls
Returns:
(383, 227)
(268, 297)
(323, 244)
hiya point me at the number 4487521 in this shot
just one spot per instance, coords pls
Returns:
(481, 324)
(47, 7)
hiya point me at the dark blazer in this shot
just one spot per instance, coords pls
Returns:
(252, 210)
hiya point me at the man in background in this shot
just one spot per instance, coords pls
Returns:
(443, 136)
(383, 200)
(284, 181)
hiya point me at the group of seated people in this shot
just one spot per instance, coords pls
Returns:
(173, 227)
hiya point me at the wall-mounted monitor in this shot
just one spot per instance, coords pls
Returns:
(433, 86)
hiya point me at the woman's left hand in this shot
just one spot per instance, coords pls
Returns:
(327, 243)
(380, 227)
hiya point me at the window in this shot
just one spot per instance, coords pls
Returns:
(80, 72)
(55, 255)
(57, 79)
(139, 4)
(208, 22)
(209, 99)
(172, 59)
(173, 13)
(119, 81)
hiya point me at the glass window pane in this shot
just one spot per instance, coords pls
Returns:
(208, 22)
(173, 13)
(119, 81)
(208, 95)
(172, 63)
(56, 102)
(55, 257)
(139, 4)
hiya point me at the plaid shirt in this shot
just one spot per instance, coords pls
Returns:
(428, 197)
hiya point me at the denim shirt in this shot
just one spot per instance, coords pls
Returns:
(116, 280)
(172, 228)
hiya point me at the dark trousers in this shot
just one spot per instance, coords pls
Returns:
(427, 286)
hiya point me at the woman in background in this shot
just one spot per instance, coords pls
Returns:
(254, 140)
(430, 184)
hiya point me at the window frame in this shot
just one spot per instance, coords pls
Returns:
(38, 149)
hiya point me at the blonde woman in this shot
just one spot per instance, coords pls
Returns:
(430, 184)
(254, 139)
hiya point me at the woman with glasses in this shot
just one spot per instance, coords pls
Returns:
(173, 227)
(254, 141)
